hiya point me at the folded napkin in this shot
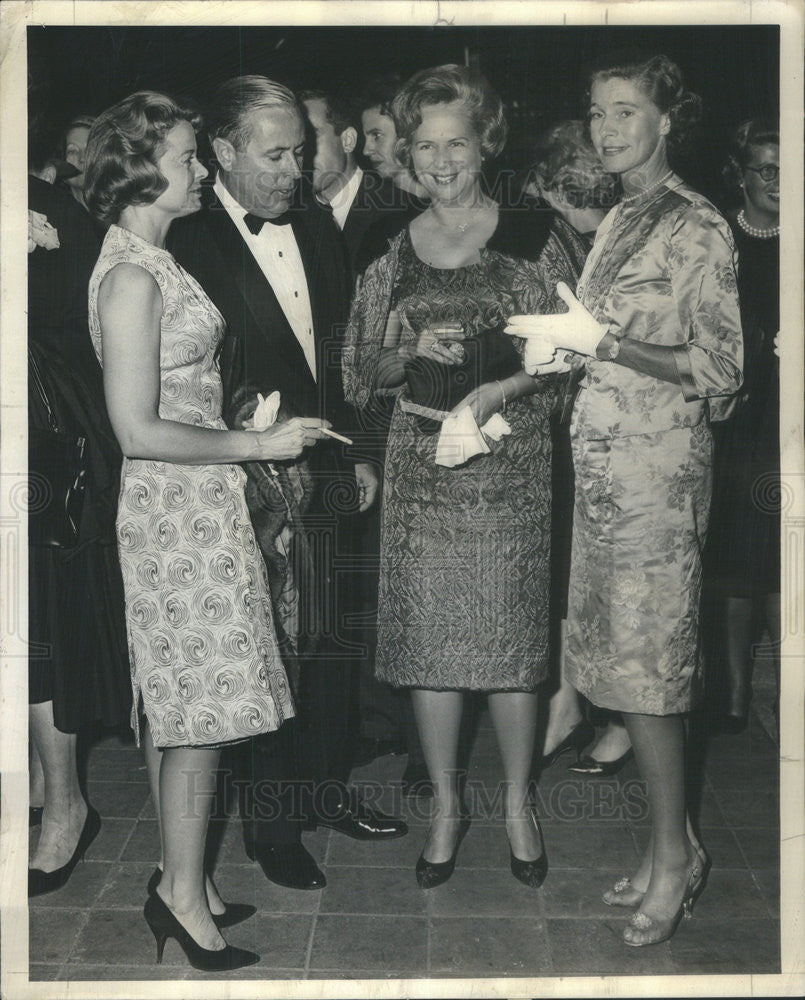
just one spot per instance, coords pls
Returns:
(460, 437)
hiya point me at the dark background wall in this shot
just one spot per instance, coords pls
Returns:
(537, 70)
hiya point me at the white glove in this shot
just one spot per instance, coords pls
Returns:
(559, 365)
(537, 352)
(576, 330)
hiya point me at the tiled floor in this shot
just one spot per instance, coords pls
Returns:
(372, 920)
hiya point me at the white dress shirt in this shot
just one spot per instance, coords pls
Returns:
(277, 255)
(342, 201)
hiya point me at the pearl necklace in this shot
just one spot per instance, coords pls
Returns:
(648, 190)
(759, 234)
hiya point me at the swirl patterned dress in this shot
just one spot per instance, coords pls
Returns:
(661, 271)
(201, 637)
(465, 551)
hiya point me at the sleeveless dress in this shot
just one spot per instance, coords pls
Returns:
(465, 551)
(202, 642)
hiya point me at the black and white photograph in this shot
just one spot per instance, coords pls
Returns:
(403, 502)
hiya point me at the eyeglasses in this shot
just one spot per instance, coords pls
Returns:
(768, 172)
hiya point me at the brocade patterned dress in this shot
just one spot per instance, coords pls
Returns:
(662, 271)
(464, 563)
(201, 636)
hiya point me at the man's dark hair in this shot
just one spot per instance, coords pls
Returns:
(340, 110)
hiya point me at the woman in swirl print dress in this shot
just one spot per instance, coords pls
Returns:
(657, 317)
(203, 647)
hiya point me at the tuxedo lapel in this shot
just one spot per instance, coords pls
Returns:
(260, 302)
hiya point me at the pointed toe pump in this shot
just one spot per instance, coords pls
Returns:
(164, 924)
(531, 873)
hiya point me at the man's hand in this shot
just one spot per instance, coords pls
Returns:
(368, 483)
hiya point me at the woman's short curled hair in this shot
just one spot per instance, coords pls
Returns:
(123, 148)
(565, 162)
(445, 85)
(748, 135)
(660, 79)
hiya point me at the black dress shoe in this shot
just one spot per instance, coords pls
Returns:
(289, 865)
(416, 781)
(530, 873)
(368, 749)
(429, 874)
(235, 913)
(40, 882)
(593, 768)
(577, 739)
(164, 924)
(357, 820)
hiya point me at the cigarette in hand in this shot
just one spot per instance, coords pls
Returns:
(333, 434)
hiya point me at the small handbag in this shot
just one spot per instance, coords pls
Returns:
(489, 356)
(57, 474)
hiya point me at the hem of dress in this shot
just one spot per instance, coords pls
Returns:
(613, 706)
(519, 688)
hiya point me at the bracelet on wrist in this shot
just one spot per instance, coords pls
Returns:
(502, 393)
(610, 353)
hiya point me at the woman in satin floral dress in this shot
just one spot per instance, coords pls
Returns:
(657, 318)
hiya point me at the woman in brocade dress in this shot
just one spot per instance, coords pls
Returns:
(202, 643)
(657, 318)
(464, 571)
(746, 489)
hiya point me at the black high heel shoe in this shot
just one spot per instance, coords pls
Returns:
(40, 882)
(600, 768)
(577, 739)
(429, 874)
(164, 924)
(235, 913)
(531, 873)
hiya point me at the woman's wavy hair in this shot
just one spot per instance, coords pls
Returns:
(444, 85)
(751, 133)
(123, 148)
(564, 161)
(660, 79)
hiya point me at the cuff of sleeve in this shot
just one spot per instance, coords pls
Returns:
(685, 371)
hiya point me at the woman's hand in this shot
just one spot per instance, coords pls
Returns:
(441, 343)
(483, 401)
(288, 439)
(576, 330)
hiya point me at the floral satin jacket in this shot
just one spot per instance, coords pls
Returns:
(662, 270)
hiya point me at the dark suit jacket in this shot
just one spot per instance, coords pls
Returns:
(58, 337)
(260, 352)
(380, 210)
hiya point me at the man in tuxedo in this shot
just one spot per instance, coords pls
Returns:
(275, 267)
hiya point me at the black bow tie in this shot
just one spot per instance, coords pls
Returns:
(254, 223)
